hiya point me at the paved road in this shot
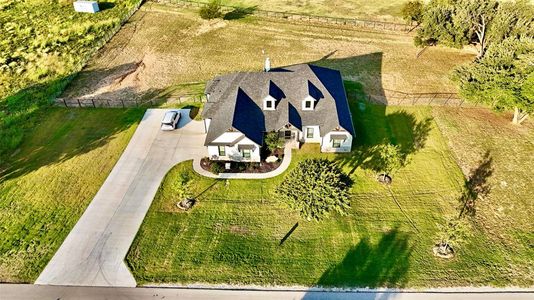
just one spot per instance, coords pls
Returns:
(24, 292)
(93, 253)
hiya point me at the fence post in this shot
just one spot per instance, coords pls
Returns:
(122, 101)
(79, 104)
(93, 100)
(65, 101)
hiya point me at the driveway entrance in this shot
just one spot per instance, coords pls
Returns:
(93, 253)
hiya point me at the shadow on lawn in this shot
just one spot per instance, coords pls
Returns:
(240, 12)
(372, 125)
(25, 148)
(367, 264)
(476, 185)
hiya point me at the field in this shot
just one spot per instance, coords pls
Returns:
(42, 44)
(47, 184)
(237, 234)
(163, 47)
(383, 10)
(487, 144)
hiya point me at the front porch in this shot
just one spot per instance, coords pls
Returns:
(290, 137)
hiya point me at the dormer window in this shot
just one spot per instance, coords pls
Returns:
(269, 103)
(308, 103)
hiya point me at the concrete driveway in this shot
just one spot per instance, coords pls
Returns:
(93, 253)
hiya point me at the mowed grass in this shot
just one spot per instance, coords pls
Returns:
(176, 47)
(49, 181)
(505, 213)
(386, 10)
(233, 234)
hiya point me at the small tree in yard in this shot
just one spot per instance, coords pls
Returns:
(412, 11)
(315, 188)
(389, 159)
(212, 10)
(273, 141)
(451, 235)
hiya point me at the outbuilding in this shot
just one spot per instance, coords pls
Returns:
(86, 6)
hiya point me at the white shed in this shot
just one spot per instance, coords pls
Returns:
(86, 6)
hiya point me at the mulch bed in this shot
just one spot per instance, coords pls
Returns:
(242, 167)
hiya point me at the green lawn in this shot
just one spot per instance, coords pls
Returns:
(48, 182)
(233, 233)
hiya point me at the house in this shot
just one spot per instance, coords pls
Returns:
(303, 103)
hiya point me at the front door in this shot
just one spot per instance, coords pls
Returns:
(287, 134)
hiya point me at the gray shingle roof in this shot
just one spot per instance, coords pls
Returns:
(236, 101)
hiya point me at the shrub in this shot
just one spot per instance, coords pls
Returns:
(315, 188)
(211, 10)
(273, 141)
(412, 11)
(216, 167)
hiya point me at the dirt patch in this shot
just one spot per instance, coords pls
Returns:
(210, 25)
(238, 229)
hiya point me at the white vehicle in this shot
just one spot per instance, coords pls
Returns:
(170, 120)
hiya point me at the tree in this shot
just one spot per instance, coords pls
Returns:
(212, 10)
(273, 141)
(412, 11)
(502, 79)
(451, 234)
(315, 188)
(456, 23)
(389, 159)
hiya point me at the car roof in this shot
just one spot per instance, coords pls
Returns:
(168, 116)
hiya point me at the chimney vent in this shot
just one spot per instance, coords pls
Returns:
(267, 66)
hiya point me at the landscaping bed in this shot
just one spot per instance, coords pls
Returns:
(217, 167)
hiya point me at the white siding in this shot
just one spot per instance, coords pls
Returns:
(207, 123)
(326, 144)
(316, 135)
(233, 153)
(273, 101)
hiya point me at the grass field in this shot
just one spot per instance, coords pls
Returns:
(376, 10)
(233, 234)
(164, 46)
(46, 185)
(505, 211)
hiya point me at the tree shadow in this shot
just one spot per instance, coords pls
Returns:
(105, 5)
(240, 12)
(288, 234)
(39, 148)
(476, 186)
(367, 264)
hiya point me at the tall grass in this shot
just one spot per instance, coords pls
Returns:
(43, 44)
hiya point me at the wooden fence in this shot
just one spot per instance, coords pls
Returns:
(410, 99)
(368, 24)
(121, 103)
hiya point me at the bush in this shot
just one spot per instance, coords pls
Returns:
(211, 10)
(315, 188)
(273, 141)
(217, 167)
(412, 11)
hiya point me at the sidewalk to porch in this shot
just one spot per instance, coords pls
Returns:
(281, 169)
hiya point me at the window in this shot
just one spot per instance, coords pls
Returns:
(246, 153)
(309, 133)
(336, 143)
(269, 104)
(222, 151)
(307, 104)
